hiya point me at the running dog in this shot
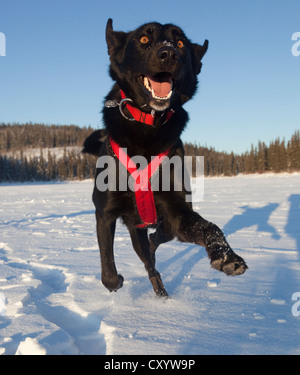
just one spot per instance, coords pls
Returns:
(155, 69)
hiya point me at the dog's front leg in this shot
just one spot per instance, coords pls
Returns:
(105, 234)
(140, 243)
(193, 228)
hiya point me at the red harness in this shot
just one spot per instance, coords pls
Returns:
(142, 187)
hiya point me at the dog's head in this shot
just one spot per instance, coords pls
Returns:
(155, 65)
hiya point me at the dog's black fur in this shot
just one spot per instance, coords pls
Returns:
(165, 53)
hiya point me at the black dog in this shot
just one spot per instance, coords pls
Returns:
(155, 68)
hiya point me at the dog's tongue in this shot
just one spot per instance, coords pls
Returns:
(161, 86)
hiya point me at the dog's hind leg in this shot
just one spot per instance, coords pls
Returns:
(105, 233)
(140, 242)
(161, 235)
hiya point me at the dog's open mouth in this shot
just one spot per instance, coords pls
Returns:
(160, 85)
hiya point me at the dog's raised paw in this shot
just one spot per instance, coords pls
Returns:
(235, 267)
(229, 263)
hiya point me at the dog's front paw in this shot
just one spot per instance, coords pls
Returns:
(225, 260)
(114, 284)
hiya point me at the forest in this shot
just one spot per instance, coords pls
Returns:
(19, 164)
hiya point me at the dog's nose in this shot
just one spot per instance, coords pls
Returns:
(168, 55)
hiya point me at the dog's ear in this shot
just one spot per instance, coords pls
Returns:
(114, 39)
(199, 52)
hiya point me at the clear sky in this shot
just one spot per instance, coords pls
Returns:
(56, 64)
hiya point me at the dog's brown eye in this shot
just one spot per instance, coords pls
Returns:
(180, 44)
(144, 39)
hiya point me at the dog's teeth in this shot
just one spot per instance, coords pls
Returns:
(146, 84)
(148, 87)
(161, 98)
(169, 95)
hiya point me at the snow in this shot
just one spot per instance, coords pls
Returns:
(52, 300)
(30, 346)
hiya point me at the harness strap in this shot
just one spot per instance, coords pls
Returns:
(142, 187)
(145, 118)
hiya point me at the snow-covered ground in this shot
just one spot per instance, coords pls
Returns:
(52, 300)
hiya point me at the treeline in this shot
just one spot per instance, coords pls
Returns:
(18, 165)
(15, 137)
(71, 166)
(278, 156)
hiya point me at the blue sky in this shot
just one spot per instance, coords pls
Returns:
(56, 63)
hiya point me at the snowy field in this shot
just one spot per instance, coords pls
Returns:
(52, 300)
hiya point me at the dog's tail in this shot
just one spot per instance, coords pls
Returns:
(93, 143)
